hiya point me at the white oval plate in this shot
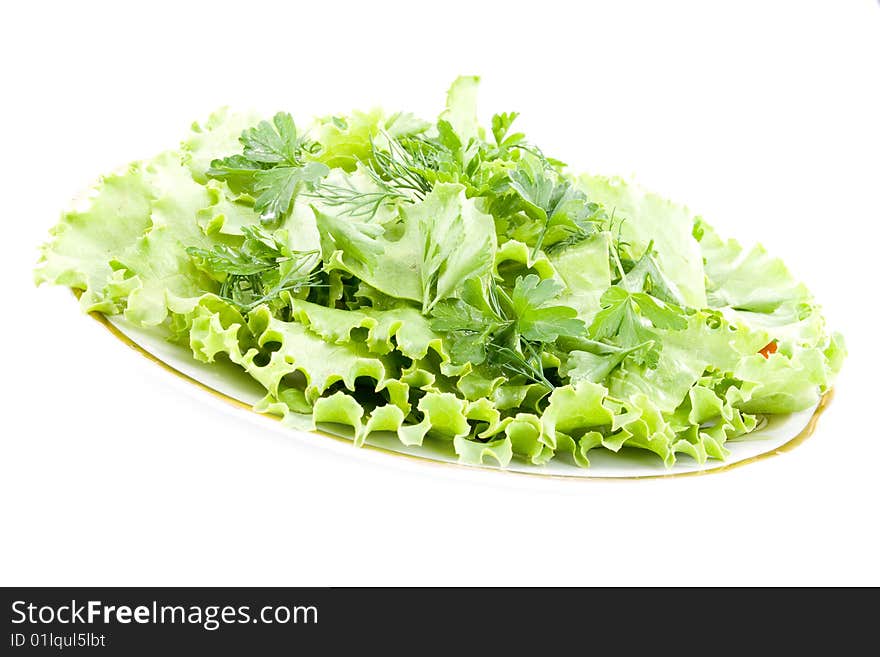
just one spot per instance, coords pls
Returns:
(228, 382)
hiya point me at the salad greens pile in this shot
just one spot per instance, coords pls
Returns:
(437, 280)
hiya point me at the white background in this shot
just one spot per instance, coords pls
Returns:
(761, 116)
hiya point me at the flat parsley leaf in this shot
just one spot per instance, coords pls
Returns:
(237, 170)
(629, 317)
(645, 275)
(501, 124)
(537, 321)
(272, 167)
(469, 327)
(273, 143)
(277, 187)
(560, 210)
(595, 367)
(510, 330)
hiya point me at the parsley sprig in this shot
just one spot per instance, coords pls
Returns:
(563, 212)
(641, 300)
(507, 330)
(272, 167)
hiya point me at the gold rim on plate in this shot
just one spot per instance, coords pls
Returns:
(805, 433)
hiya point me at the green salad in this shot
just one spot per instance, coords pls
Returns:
(444, 281)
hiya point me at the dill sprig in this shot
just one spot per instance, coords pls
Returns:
(513, 362)
(398, 172)
(398, 168)
(294, 274)
(356, 203)
(258, 271)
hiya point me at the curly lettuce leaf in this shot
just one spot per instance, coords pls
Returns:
(107, 222)
(461, 108)
(214, 138)
(156, 264)
(585, 270)
(347, 141)
(684, 358)
(404, 329)
(226, 212)
(439, 243)
(647, 218)
(514, 258)
(749, 280)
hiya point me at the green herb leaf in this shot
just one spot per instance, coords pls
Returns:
(535, 320)
(237, 170)
(510, 330)
(595, 367)
(646, 275)
(560, 210)
(273, 143)
(501, 124)
(628, 317)
(277, 187)
(259, 270)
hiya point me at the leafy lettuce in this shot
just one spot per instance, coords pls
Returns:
(433, 279)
